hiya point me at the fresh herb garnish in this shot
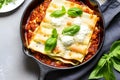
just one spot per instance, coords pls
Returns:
(72, 30)
(6, 2)
(74, 12)
(58, 13)
(1, 3)
(51, 42)
(104, 68)
(54, 33)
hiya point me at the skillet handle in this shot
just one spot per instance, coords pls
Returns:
(44, 69)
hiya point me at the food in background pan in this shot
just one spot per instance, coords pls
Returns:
(62, 33)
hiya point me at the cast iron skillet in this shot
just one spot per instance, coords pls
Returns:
(44, 68)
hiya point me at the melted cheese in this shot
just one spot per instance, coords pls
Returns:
(68, 47)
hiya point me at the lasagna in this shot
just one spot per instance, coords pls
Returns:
(65, 32)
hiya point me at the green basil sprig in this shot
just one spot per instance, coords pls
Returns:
(51, 42)
(74, 12)
(104, 68)
(58, 13)
(72, 30)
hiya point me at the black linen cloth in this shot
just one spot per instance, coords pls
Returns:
(111, 14)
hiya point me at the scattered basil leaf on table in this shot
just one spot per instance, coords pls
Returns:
(104, 68)
(108, 71)
(116, 64)
(72, 30)
(115, 50)
(58, 13)
(98, 71)
(74, 12)
(51, 42)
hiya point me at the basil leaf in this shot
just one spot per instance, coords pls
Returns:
(74, 12)
(108, 71)
(114, 46)
(112, 61)
(116, 63)
(54, 33)
(72, 30)
(58, 13)
(50, 44)
(115, 55)
(104, 69)
(1, 3)
(115, 49)
(99, 69)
